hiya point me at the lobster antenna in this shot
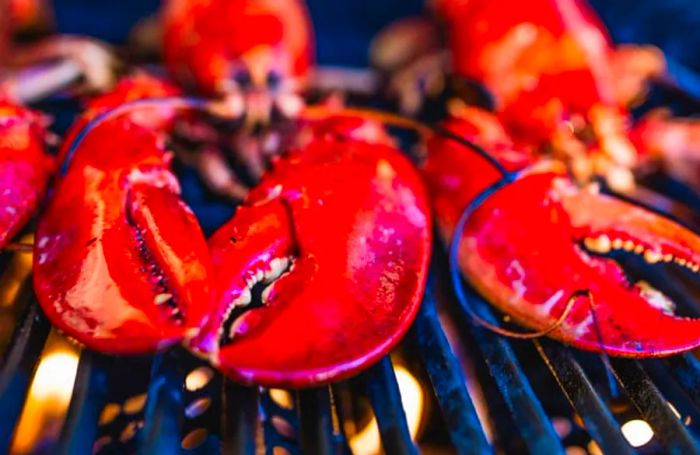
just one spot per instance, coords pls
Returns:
(196, 104)
(19, 247)
(208, 106)
(399, 121)
(604, 356)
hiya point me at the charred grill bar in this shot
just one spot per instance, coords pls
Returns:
(487, 393)
(248, 417)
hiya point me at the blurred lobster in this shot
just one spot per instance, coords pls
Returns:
(558, 85)
(254, 54)
(258, 56)
(537, 246)
(25, 162)
(25, 167)
(129, 271)
(56, 62)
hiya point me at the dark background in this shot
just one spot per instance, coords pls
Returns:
(344, 27)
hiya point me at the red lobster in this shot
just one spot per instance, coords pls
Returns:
(25, 164)
(561, 88)
(120, 261)
(293, 303)
(536, 248)
(25, 167)
(255, 54)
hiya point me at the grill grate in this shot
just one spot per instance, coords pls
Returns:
(250, 418)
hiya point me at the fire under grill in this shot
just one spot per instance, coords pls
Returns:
(473, 392)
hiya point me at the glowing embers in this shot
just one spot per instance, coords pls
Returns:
(366, 439)
(49, 396)
(637, 432)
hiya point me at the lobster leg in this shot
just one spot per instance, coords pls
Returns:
(675, 142)
(408, 54)
(94, 61)
(632, 68)
(218, 175)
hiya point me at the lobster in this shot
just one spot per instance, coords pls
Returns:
(113, 274)
(295, 306)
(272, 296)
(254, 54)
(537, 246)
(25, 167)
(560, 87)
(25, 162)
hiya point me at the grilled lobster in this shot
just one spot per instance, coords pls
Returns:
(120, 262)
(561, 88)
(538, 248)
(292, 303)
(256, 55)
(25, 167)
(25, 162)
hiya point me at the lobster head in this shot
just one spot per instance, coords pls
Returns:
(321, 271)
(257, 53)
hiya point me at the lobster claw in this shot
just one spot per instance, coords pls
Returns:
(122, 265)
(536, 243)
(25, 168)
(321, 271)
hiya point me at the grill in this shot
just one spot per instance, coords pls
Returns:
(484, 393)
(526, 391)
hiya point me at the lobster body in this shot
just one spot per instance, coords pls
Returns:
(538, 248)
(544, 49)
(253, 54)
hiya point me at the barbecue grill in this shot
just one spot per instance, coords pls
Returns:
(471, 390)
(532, 396)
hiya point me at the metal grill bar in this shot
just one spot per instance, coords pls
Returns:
(383, 392)
(534, 425)
(240, 419)
(600, 423)
(447, 379)
(683, 407)
(161, 432)
(653, 407)
(314, 408)
(20, 363)
(686, 370)
(89, 396)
